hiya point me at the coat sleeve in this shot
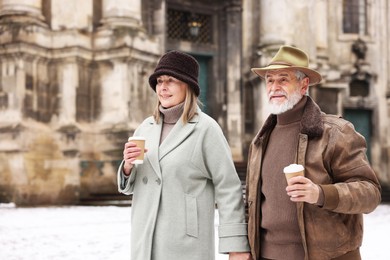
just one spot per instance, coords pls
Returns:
(232, 228)
(125, 184)
(356, 188)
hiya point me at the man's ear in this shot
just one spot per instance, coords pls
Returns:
(304, 85)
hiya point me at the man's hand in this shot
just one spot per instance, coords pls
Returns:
(302, 189)
(240, 256)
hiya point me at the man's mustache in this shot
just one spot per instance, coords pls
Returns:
(277, 93)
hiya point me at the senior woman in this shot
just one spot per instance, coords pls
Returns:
(187, 169)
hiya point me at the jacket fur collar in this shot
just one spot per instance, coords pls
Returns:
(311, 122)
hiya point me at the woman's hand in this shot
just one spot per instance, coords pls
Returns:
(130, 153)
(240, 256)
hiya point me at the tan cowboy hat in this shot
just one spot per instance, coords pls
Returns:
(289, 57)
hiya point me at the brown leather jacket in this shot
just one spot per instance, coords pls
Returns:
(333, 155)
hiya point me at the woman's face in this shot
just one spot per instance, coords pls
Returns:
(170, 91)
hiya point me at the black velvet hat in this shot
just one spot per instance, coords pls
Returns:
(178, 65)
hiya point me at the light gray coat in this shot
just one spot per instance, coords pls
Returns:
(175, 190)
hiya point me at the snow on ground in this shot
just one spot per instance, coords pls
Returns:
(376, 234)
(103, 233)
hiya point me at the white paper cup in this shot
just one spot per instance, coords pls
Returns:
(293, 170)
(140, 141)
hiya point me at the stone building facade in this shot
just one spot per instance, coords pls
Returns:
(73, 79)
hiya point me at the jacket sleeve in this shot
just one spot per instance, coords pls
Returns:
(232, 228)
(356, 188)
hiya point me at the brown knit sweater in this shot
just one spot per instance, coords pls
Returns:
(280, 232)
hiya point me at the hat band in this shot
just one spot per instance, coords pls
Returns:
(280, 63)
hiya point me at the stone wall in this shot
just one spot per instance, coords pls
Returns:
(70, 96)
(74, 81)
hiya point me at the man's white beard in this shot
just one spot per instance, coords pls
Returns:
(277, 109)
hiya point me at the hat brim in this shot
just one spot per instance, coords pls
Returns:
(314, 76)
(188, 80)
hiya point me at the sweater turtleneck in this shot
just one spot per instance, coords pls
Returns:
(280, 231)
(170, 117)
(294, 114)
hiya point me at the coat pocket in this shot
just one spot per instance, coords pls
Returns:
(191, 216)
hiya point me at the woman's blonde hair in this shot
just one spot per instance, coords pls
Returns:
(191, 103)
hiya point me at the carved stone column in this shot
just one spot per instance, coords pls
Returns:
(321, 32)
(115, 87)
(31, 8)
(279, 17)
(233, 81)
(121, 13)
(68, 80)
(13, 82)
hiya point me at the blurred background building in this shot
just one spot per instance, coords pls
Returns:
(74, 79)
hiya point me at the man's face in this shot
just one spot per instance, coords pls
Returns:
(284, 90)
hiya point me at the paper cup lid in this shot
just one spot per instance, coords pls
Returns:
(136, 138)
(293, 168)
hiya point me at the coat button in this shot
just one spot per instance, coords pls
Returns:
(158, 181)
(145, 180)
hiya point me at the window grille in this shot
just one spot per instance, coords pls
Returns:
(180, 23)
(29, 98)
(88, 93)
(355, 17)
(359, 87)
(3, 100)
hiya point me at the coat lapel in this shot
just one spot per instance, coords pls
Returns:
(177, 135)
(153, 146)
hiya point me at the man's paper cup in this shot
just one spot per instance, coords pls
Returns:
(293, 170)
(140, 141)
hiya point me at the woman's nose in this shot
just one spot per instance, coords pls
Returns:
(162, 85)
